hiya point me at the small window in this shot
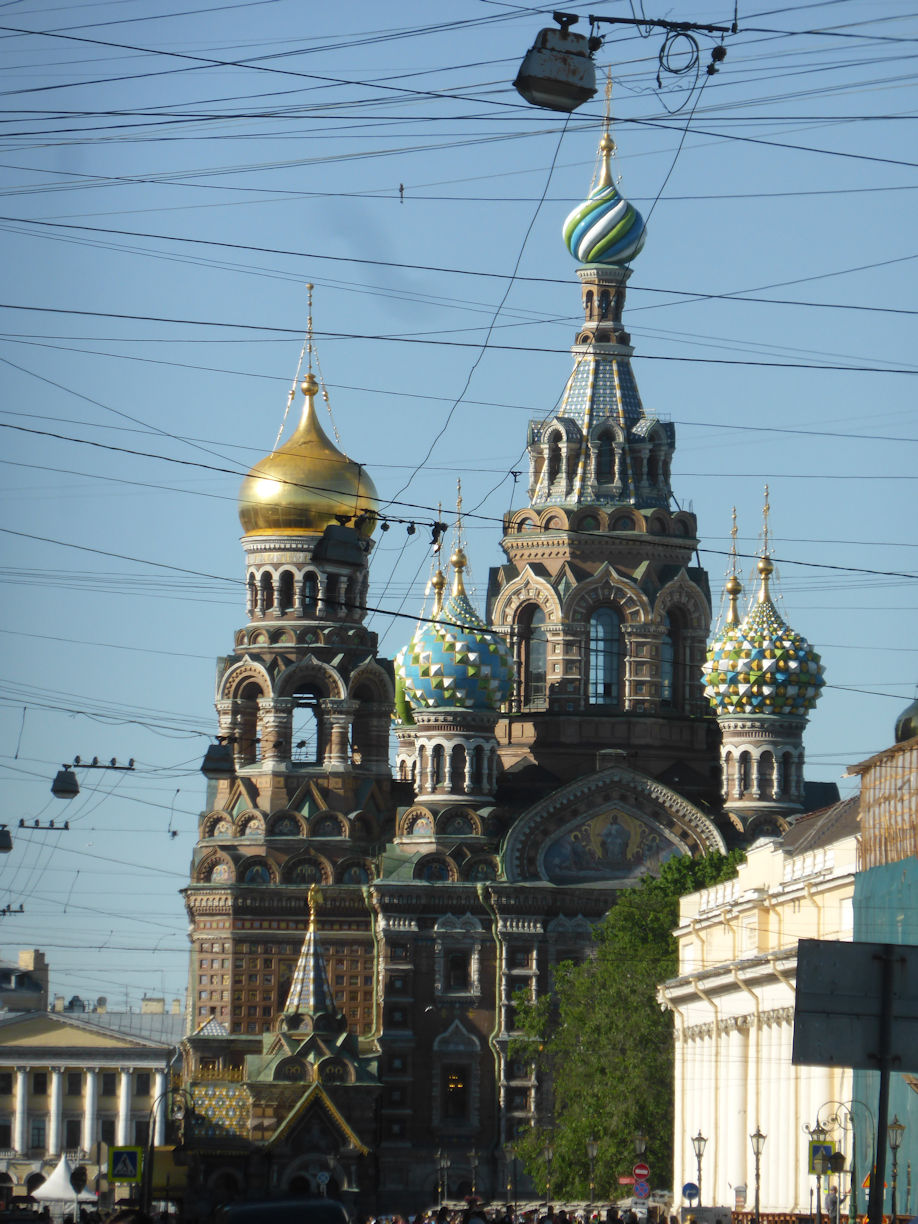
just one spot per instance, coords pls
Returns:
(6, 1135)
(142, 1131)
(142, 1083)
(6, 1085)
(37, 1133)
(73, 1134)
(39, 1085)
(457, 971)
(109, 1087)
(74, 1084)
(107, 1130)
(455, 1093)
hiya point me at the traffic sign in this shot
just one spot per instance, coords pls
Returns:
(642, 1189)
(641, 1171)
(323, 1178)
(124, 1164)
(626, 1180)
(690, 1191)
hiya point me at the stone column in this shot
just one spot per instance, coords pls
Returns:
(90, 1107)
(123, 1123)
(54, 1111)
(159, 1105)
(21, 1117)
(340, 715)
(275, 715)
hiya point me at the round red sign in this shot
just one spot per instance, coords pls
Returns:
(641, 1171)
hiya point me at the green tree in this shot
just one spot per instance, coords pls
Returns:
(602, 1045)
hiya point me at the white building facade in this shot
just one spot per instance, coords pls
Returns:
(733, 1005)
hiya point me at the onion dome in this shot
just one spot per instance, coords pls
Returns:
(307, 484)
(907, 723)
(605, 228)
(761, 665)
(454, 661)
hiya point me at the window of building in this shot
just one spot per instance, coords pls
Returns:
(107, 1130)
(6, 1083)
(142, 1083)
(142, 1131)
(605, 657)
(75, 1083)
(37, 1133)
(6, 1134)
(73, 1134)
(39, 1083)
(109, 1087)
(533, 647)
(457, 971)
(520, 958)
(455, 1093)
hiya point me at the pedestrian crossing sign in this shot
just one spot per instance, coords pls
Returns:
(125, 1164)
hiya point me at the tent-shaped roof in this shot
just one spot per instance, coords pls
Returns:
(58, 1188)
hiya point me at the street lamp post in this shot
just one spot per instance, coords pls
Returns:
(895, 1131)
(640, 1145)
(182, 1104)
(699, 1143)
(592, 1148)
(473, 1160)
(757, 1140)
(818, 1135)
(510, 1167)
(549, 1153)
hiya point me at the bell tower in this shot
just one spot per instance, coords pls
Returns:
(602, 598)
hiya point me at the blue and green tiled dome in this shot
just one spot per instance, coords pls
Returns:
(605, 228)
(761, 665)
(454, 661)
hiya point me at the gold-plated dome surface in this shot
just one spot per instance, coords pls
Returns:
(307, 484)
(907, 723)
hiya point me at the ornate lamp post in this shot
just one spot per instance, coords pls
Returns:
(818, 1135)
(640, 1145)
(592, 1148)
(895, 1130)
(757, 1139)
(548, 1152)
(473, 1160)
(699, 1143)
(443, 1175)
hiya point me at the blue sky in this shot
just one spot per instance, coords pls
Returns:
(173, 177)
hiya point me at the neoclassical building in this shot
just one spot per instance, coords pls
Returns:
(549, 753)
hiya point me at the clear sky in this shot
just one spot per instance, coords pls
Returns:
(173, 176)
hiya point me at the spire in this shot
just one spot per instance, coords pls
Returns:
(310, 992)
(765, 565)
(734, 587)
(458, 560)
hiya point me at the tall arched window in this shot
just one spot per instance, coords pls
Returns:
(672, 663)
(285, 591)
(605, 459)
(605, 657)
(554, 459)
(534, 654)
(310, 593)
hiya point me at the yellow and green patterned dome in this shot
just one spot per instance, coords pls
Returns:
(454, 661)
(760, 665)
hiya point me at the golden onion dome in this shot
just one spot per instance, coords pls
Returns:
(307, 484)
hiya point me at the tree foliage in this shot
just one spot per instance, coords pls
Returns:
(603, 1046)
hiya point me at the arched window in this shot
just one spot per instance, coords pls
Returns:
(478, 760)
(457, 770)
(745, 774)
(285, 591)
(605, 657)
(673, 663)
(605, 459)
(309, 731)
(436, 772)
(588, 304)
(554, 459)
(534, 656)
(604, 303)
(267, 592)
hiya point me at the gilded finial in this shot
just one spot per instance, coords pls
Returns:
(734, 587)
(309, 386)
(438, 582)
(313, 900)
(309, 289)
(606, 143)
(458, 560)
(765, 564)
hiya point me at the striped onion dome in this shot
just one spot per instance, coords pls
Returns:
(605, 228)
(760, 665)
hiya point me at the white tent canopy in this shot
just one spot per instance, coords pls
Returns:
(57, 1189)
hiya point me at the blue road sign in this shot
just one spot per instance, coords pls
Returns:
(690, 1191)
(642, 1189)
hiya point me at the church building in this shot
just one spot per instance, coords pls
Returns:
(358, 931)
